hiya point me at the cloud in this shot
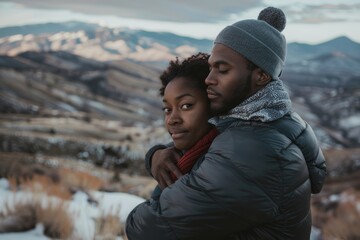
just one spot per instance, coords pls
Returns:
(322, 13)
(195, 11)
(162, 10)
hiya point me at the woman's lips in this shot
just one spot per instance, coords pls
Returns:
(177, 135)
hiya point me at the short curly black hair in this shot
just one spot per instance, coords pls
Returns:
(195, 68)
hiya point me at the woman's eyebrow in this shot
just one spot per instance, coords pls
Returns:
(181, 96)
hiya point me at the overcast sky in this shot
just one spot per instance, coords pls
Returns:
(308, 21)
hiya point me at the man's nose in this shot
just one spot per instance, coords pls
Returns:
(210, 79)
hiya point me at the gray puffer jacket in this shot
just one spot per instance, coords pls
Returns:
(255, 182)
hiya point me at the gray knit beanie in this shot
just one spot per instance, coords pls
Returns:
(260, 41)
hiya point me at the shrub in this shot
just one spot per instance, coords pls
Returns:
(25, 215)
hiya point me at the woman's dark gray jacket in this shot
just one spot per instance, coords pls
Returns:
(255, 182)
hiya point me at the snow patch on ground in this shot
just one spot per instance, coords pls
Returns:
(82, 208)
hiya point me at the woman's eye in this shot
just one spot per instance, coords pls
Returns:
(186, 106)
(166, 110)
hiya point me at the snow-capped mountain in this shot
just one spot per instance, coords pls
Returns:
(101, 43)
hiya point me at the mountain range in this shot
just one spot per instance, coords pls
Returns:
(113, 73)
(101, 43)
(90, 40)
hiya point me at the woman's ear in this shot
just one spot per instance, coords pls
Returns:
(262, 78)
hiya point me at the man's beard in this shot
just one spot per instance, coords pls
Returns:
(240, 95)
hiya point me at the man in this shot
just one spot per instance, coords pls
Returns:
(257, 177)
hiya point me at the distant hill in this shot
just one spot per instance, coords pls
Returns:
(43, 82)
(300, 51)
(337, 63)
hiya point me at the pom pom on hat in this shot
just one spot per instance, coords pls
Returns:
(259, 40)
(273, 16)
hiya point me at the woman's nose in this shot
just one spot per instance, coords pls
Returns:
(173, 118)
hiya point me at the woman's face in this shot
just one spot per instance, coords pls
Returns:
(187, 111)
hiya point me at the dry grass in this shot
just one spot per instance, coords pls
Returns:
(21, 169)
(67, 182)
(80, 180)
(335, 211)
(109, 226)
(57, 222)
(41, 184)
(25, 215)
(337, 216)
(344, 224)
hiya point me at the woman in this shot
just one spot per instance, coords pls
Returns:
(187, 110)
(186, 107)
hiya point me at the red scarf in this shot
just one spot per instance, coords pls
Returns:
(187, 161)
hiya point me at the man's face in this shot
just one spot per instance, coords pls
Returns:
(229, 81)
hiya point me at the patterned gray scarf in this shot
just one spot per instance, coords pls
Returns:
(270, 103)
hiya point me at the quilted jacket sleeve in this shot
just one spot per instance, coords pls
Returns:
(301, 133)
(314, 157)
